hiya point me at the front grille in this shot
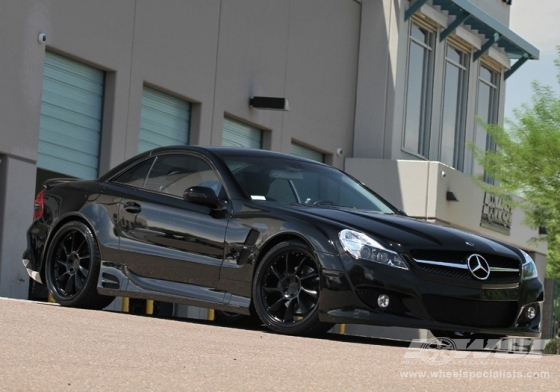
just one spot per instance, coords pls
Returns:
(457, 261)
(471, 313)
(445, 271)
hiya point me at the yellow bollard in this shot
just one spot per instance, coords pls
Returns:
(150, 306)
(210, 316)
(50, 298)
(125, 304)
(342, 329)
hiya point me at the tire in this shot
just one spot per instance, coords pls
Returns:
(286, 290)
(72, 268)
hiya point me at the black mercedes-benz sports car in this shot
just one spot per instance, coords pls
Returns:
(299, 244)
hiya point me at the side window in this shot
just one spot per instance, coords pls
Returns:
(173, 174)
(137, 175)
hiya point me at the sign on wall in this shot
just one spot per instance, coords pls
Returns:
(496, 214)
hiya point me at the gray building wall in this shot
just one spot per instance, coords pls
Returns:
(215, 54)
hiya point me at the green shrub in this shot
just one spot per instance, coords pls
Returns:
(552, 347)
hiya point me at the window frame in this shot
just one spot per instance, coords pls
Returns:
(426, 101)
(494, 84)
(461, 103)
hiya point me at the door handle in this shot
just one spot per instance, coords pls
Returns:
(132, 207)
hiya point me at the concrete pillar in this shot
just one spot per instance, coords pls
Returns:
(376, 82)
(17, 188)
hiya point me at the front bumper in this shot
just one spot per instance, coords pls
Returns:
(351, 297)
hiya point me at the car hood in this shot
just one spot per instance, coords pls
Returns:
(405, 233)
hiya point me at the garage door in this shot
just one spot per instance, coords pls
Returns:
(238, 134)
(306, 152)
(164, 120)
(71, 112)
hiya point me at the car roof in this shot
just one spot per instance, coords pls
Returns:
(228, 151)
(217, 151)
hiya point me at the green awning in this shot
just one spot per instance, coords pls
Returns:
(466, 13)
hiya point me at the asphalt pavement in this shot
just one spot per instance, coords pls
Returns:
(45, 347)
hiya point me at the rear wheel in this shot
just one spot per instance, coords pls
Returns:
(72, 268)
(286, 290)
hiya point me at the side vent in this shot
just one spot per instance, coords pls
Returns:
(250, 241)
(109, 281)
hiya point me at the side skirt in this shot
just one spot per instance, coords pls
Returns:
(117, 280)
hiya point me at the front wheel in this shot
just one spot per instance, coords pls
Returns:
(286, 290)
(72, 268)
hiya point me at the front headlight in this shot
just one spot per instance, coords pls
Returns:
(528, 269)
(361, 246)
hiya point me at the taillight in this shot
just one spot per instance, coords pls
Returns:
(39, 206)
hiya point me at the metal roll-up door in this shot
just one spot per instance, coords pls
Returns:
(238, 134)
(306, 152)
(71, 114)
(164, 120)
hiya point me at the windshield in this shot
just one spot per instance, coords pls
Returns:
(294, 181)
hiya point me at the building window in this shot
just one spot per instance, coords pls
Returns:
(164, 120)
(419, 90)
(454, 108)
(487, 111)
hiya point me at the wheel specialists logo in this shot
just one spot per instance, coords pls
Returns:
(438, 351)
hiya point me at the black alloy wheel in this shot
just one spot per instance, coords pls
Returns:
(73, 265)
(286, 290)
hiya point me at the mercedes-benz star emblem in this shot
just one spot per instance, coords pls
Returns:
(478, 266)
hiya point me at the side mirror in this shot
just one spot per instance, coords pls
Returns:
(203, 195)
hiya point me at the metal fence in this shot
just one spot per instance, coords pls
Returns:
(550, 325)
(555, 321)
